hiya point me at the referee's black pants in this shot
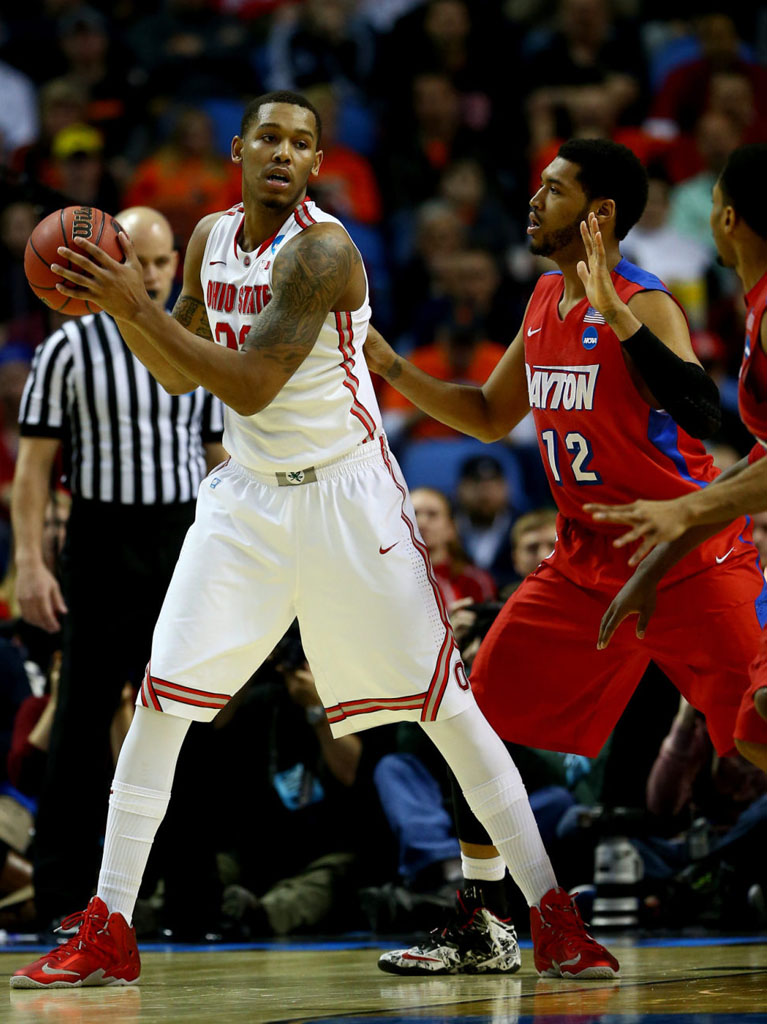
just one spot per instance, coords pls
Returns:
(116, 565)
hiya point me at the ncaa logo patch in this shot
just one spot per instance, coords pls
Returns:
(590, 337)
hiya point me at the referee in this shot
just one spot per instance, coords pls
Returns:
(133, 457)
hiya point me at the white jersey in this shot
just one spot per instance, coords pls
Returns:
(328, 406)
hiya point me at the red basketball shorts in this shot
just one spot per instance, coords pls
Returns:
(541, 682)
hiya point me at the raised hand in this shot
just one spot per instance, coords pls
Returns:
(594, 272)
(652, 521)
(117, 287)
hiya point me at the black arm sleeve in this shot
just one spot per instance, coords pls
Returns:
(683, 389)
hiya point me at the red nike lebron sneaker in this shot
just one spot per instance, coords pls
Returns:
(102, 952)
(562, 946)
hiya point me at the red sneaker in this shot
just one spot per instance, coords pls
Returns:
(103, 952)
(562, 946)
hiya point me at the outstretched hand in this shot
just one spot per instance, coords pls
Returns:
(594, 272)
(117, 287)
(652, 521)
(379, 355)
(636, 597)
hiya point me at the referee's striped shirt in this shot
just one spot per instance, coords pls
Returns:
(126, 440)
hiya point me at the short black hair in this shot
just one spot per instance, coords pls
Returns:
(282, 96)
(742, 184)
(608, 170)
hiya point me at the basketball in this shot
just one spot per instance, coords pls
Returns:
(60, 228)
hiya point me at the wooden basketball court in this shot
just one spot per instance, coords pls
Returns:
(688, 981)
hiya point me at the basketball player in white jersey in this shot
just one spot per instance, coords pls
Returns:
(310, 517)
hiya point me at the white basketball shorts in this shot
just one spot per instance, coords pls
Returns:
(343, 554)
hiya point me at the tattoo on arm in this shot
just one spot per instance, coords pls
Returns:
(191, 313)
(395, 370)
(307, 280)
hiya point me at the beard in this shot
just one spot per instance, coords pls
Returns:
(560, 239)
(275, 203)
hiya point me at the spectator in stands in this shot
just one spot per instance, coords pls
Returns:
(480, 293)
(586, 111)
(347, 185)
(716, 137)
(15, 817)
(321, 41)
(79, 171)
(464, 187)
(18, 112)
(456, 576)
(435, 133)
(421, 269)
(62, 102)
(588, 40)
(719, 805)
(14, 367)
(188, 51)
(533, 536)
(484, 514)
(186, 178)
(31, 737)
(680, 261)
(459, 353)
(22, 316)
(452, 37)
(732, 93)
(98, 64)
(686, 92)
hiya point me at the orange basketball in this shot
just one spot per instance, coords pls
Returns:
(60, 228)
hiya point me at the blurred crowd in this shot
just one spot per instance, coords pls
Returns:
(438, 117)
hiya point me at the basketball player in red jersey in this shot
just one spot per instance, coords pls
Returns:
(604, 360)
(739, 227)
(310, 519)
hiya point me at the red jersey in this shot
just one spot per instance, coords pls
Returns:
(752, 380)
(470, 581)
(600, 441)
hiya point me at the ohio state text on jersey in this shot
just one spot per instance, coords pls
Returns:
(328, 406)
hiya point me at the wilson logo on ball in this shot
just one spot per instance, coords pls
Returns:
(82, 222)
(61, 228)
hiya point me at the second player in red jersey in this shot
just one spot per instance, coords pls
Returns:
(739, 227)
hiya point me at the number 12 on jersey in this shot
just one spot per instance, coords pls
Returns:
(580, 455)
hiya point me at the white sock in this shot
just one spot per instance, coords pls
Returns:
(137, 805)
(485, 869)
(496, 794)
(134, 817)
(503, 808)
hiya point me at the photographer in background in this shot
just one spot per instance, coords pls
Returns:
(314, 792)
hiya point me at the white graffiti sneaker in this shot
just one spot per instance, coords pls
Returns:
(472, 942)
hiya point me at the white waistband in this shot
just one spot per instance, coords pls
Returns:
(342, 466)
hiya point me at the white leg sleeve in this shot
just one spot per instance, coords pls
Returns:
(496, 794)
(137, 804)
